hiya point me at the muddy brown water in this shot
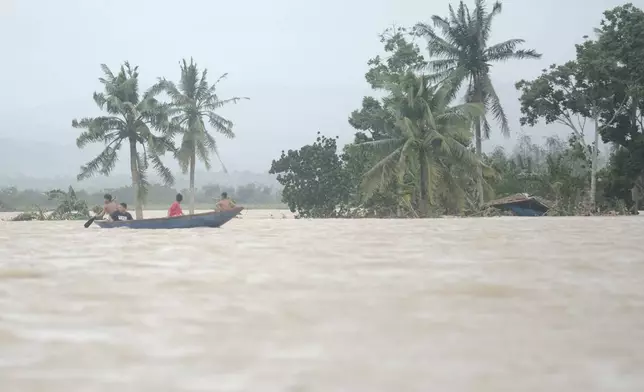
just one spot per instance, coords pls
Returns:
(272, 304)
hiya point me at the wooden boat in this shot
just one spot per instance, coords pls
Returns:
(521, 204)
(206, 219)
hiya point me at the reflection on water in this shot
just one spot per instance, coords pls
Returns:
(499, 304)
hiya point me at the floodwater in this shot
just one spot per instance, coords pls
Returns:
(271, 304)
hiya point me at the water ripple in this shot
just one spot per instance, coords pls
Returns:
(486, 304)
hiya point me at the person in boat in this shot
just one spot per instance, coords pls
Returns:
(109, 206)
(121, 213)
(224, 203)
(175, 208)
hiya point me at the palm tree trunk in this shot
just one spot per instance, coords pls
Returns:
(192, 182)
(135, 178)
(593, 170)
(479, 154)
(424, 186)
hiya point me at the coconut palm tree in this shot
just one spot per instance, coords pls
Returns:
(195, 101)
(130, 120)
(426, 141)
(462, 53)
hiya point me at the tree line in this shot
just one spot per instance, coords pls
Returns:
(149, 128)
(158, 196)
(417, 151)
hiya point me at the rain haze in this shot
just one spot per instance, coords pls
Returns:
(302, 63)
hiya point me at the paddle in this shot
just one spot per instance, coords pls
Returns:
(90, 221)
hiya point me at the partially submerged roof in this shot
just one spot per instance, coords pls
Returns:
(523, 200)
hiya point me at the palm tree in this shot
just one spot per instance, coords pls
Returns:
(426, 141)
(130, 119)
(195, 101)
(463, 54)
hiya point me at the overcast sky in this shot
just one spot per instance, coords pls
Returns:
(302, 63)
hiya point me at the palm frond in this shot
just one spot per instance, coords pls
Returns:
(203, 154)
(109, 76)
(381, 173)
(184, 153)
(505, 46)
(220, 124)
(213, 103)
(492, 99)
(99, 129)
(100, 100)
(382, 146)
(487, 129)
(521, 54)
(437, 46)
(219, 79)
(497, 8)
(103, 163)
(453, 81)
(464, 112)
(161, 169)
(442, 24)
(211, 144)
(442, 65)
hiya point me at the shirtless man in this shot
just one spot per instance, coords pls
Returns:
(225, 203)
(109, 206)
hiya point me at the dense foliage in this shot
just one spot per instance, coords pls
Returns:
(314, 178)
(416, 153)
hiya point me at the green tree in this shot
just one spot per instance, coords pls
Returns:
(130, 120)
(426, 140)
(315, 182)
(401, 56)
(372, 120)
(464, 54)
(196, 102)
(599, 77)
(615, 61)
(562, 95)
(556, 96)
(621, 176)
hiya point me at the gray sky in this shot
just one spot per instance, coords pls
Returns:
(302, 63)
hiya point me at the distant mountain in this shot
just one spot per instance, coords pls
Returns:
(36, 165)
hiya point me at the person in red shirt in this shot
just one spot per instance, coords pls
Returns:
(175, 208)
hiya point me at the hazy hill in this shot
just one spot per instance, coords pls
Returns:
(47, 165)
